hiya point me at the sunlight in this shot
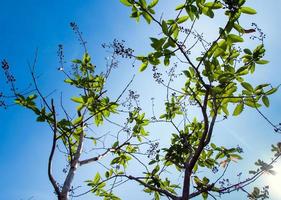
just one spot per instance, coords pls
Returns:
(274, 182)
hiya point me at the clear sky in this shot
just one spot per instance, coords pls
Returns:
(30, 24)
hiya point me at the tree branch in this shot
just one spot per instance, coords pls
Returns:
(51, 178)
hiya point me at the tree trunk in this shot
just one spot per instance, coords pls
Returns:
(186, 184)
(74, 165)
(63, 197)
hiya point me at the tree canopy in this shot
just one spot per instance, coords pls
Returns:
(208, 81)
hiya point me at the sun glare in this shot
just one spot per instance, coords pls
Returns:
(274, 182)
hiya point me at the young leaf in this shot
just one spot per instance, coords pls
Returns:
(265, 101)
(143, 3)
(147, 17)
(262, 62)
(247, 86)
(248, 10)
(186, 73)
(153, 3)
(218, 52)
(68, 81)
(167, 61)
(205, 195)
(77, 61)
(182, 19)
(77, 99)
(271, 91)
(126, 2)
(96, 179)
(155, 170)
(247, 51)
(213, 5)
(165, 28)
(143, 66)
(77, 120)
(181, 6)
(239, 108)
(208, 12)
(235, 38)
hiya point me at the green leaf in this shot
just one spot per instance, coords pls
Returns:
(186, 73)
(157, 44)
(115, 144)
(155, 170)
(205, 195)
(77, 61)
(68, 81)
(150, 10)
(136, 14)
(86, 58)
(262, 62)
(205, 180)
(182, 19)
(77, 99)
(236, 156)
(181, 6)
(165, 27)
(247, 86)
(218, 52)
(239, 108)
(208, 12)
(248, 10)
(197, 180)
(242, 71)
(271, 91)
(32, 97)
(156, 196)
(143, 66)
(238, 28)
(167, 61)
(225, 110)
(153, 59)
(153, 3)
(96, 179)
(247, 51)
(191, 11)
(41, 118)
(265, 101)
(143, 3)
(147, 17)
(98, 119)
(235, 38)
(126, 2)
(213, 5)
(115, 161)
(101, 185)
(251, 103)
(77, 120)
(213, 146)
(176, 31)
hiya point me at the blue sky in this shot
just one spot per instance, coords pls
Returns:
(30, 24)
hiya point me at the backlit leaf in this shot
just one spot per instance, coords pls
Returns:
(182, 19)
(143, 66)
(153, 3)
(265, 100)
(126, 2)
(262, 62)
(248, 10)
(239, 108)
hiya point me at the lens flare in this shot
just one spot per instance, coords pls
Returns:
(274, 182)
